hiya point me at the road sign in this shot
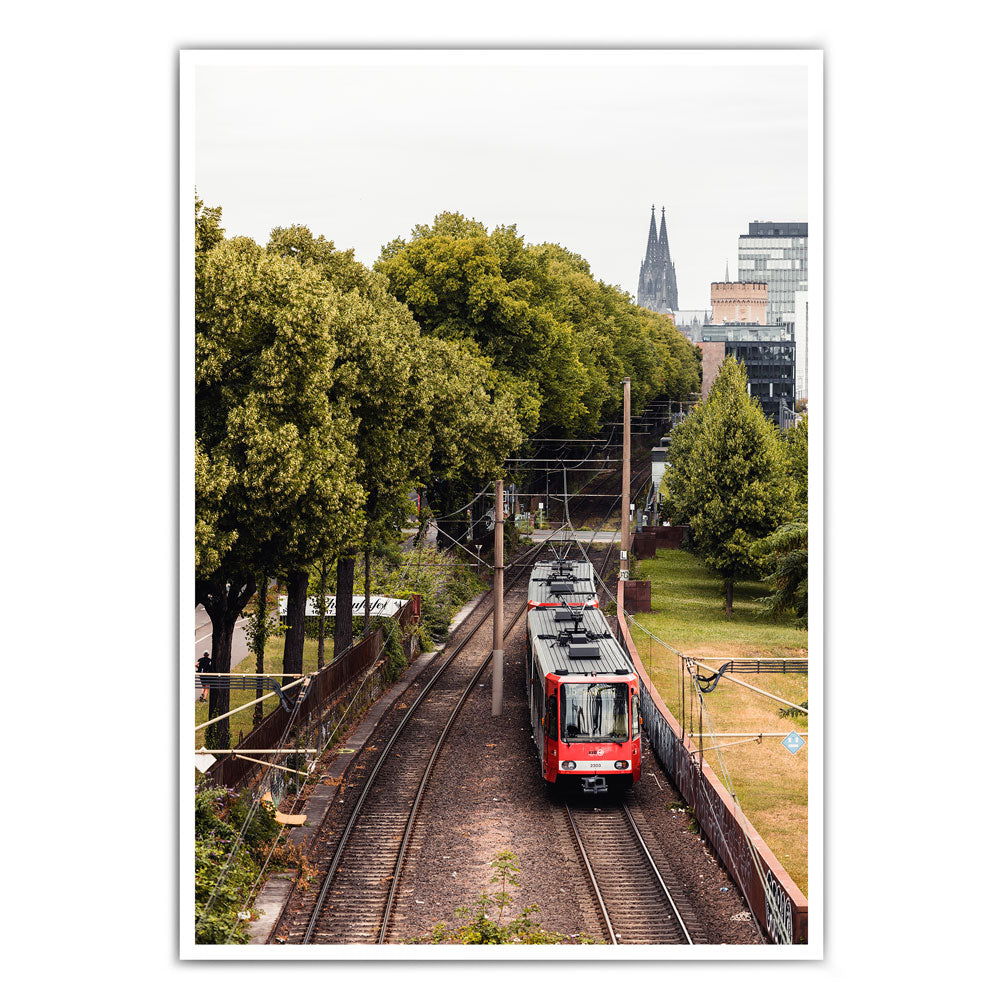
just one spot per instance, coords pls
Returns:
(793, 743)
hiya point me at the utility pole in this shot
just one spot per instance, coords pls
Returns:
(498, 603)
(565, 499)
(626, 477)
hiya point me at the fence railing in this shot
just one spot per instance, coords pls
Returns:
(312, 712)
(780, 908)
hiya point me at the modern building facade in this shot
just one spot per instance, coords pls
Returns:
(776, 253)
(768, 353)
(802, 345)
(657, 278)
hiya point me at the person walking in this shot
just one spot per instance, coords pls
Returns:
(204, 666)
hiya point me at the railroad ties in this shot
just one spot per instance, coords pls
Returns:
(630, 880)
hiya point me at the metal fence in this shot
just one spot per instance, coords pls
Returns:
(314, 712)
(780, 908)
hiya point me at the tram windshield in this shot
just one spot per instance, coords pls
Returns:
(594, 712)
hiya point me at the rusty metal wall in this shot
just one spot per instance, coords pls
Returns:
(782, 910)
(325, 687)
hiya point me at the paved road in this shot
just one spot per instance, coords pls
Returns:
(203, 637)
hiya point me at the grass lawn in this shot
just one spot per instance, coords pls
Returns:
(272, 664)
(688, 612)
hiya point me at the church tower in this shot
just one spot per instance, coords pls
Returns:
(657, 278)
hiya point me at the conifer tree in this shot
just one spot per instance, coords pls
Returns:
(727, 477)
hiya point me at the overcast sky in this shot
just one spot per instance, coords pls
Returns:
(572, 148)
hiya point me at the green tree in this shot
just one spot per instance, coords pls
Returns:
(561, 340)
(786, 551)
(797, 452)
(422, 406)
(726, 477)
(262, 623)
(274, 456)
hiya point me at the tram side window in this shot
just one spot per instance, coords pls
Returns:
(552, 729)
(635, 716)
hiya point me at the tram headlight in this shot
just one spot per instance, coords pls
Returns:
(621, 765)
(569, 765)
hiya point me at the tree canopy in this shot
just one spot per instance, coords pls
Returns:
(561, 341)
(726, 477)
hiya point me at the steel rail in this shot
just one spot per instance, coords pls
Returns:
(366, 789)
(401, 857)
(352, 821)
(656, 872)
(590, 872)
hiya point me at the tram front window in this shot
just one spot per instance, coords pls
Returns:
(594, 712)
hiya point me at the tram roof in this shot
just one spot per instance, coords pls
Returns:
(588, 646)
(562, 580)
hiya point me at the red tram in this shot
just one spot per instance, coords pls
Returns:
(583, 695)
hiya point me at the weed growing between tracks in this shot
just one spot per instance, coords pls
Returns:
(481, 927)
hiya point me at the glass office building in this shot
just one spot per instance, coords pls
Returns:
(769, 355)
(777, 253)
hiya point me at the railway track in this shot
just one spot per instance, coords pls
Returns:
(632, 891)
(362, 858)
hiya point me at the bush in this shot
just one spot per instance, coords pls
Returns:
(219, 815)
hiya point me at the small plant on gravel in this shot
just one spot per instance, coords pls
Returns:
(480, 927)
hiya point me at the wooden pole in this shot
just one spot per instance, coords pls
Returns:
(498, 602)
(626, 477)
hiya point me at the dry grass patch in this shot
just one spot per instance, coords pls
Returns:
(688, 612)
(243, 721)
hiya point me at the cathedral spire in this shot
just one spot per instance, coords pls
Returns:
(657, 278)
(663, 233)
(727, 269)
(651, 242)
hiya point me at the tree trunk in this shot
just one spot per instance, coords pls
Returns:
(368, 590)
(729, 598)
(224, 603)
(258, 709)
(321, 652)
(295, 634)
(344, 631)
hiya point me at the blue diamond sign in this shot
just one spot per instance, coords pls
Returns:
(793, 743)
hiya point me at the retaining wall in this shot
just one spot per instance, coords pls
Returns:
(782, 911)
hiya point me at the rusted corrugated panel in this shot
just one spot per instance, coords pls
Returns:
(325, 686)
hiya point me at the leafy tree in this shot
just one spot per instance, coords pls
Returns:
(562, 340)
(786, 550)
(797, 451)
(726, 477)
(259, 627)
(274, 457)
(422, 406)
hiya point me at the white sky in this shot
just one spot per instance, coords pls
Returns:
(572, 148)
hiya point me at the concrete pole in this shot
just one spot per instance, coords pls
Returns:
(626, 477)
(498, 602)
